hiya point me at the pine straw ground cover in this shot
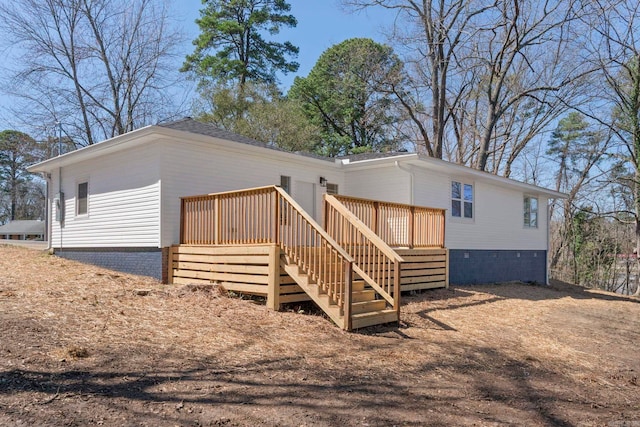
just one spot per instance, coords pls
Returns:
(80, 345)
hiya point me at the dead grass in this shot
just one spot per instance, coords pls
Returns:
(103, 347)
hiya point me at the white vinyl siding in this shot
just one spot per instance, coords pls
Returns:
(387, 183)
(194, 167)
(497, 222)
(123, 202)
(131, 192)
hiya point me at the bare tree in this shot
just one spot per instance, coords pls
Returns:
(438, 29)
(493, 74)
(614, 50)
(101, 67)
(528, 75)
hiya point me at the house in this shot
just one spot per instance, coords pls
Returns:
(118, 203)
(23, 230)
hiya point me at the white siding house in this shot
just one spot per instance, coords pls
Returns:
(121, 197)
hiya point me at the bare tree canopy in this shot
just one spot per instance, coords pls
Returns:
(485, 76)
(100, 67)
(20, 197)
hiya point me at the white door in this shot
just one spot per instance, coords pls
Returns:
(305, 194)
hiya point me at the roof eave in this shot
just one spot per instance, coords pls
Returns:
(95, 150)
(438, 164)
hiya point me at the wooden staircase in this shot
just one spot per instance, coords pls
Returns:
(345, 266)
(365, 308)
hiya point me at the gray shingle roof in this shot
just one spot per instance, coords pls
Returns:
(193, 126)
(23, 227)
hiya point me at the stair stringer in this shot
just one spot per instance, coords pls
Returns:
(313, 290)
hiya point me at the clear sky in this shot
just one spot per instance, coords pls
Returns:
(321, 24)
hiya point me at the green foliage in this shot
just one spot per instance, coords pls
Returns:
(348, 95)
(231, 46)
(577, 147)
(592, 246)
(17, 151)
(260, 112)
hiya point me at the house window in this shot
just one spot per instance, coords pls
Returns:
(461, 200)
(285, 183)
(530, 212)
(82, 198)
(332, 188)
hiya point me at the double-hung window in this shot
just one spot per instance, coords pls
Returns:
(530, 212)
(461, 200)
(82, 198)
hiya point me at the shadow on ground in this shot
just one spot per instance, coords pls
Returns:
(472, 384)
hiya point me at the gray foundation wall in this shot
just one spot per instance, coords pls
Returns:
(142, 261)
(467, 267)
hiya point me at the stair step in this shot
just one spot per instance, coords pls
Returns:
(311, 288)
(358, 285)
(368, 306)
(365, 295)
(371, 318)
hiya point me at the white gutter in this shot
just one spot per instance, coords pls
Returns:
(411, 180)
(546, 261)
(47, 207)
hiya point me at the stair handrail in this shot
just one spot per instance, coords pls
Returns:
(219, 218)
(392, 297)
(318, 269)
(414, 233)
(313, 223)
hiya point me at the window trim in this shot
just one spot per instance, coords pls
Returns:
(462, 201)
(524, 212)
(86, 198)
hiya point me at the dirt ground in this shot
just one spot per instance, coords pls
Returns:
(84, 346)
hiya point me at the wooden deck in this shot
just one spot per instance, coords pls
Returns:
(252, 270)
(260, 242)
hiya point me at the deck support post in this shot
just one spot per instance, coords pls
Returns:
(172, 251)
(273, 281)
(397, 289)
(446, 266)
(348, 291)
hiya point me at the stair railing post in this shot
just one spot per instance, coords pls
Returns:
(412, 215)
(443, 227)
(348, 279)
(396, 288)
(182, 220)
(276, 217)
(374, 220)
(216, 220)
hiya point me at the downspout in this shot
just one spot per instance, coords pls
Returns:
(62, 203)
(411, 180)
(546, 261)
(47, 209)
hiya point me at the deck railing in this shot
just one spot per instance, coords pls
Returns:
(400, 225)
(269, 215)
(374, 260)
